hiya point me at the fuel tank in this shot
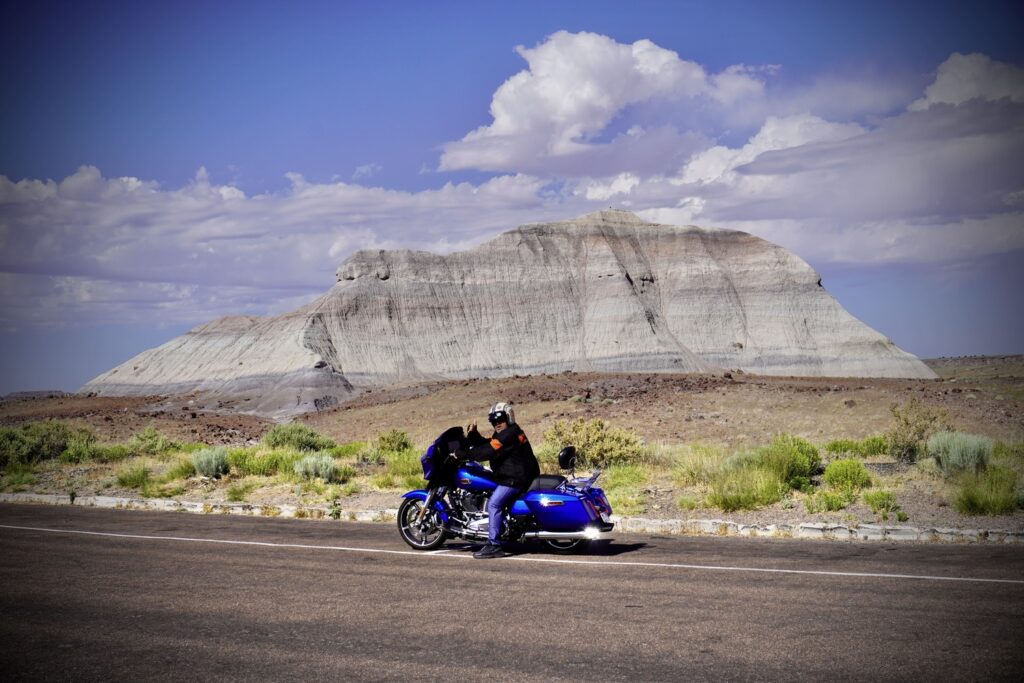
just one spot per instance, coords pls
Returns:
(474, 477)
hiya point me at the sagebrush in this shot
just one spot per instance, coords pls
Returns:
(262, 462)
(792, 459)
(827, 501)
(151, 442)
(913, 423)
(847, 475)
(211, 462)
(957, 452)
(597, 443)
(992, 492)
(394, 440)
(746, 488)
(317, 466)
(298, 436)
(37, 441)
(882, 503)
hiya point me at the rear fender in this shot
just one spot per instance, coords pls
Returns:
(439, 505)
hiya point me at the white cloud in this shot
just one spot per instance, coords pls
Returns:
(103, 249)
(620, 184)
(576, 84)
(367, 171)
(965, 77)
(834, 169)
(719, 162)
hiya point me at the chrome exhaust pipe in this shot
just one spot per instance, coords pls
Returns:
(588, 534)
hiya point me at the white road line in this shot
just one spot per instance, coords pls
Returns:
(519, 558)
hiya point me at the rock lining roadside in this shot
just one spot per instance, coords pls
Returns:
(675, 527)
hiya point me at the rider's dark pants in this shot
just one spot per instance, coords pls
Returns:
(502, 498)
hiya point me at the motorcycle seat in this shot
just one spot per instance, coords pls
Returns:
(547, 482)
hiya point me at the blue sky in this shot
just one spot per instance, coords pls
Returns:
(164, 164)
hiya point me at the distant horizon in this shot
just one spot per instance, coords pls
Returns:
(164, 166)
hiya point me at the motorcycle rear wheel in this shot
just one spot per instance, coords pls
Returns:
(428, 535)
(573, 546)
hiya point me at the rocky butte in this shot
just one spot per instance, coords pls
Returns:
(606, 292)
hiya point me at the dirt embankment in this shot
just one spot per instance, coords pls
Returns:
(980, 395)
(115, 419)
(984, 395)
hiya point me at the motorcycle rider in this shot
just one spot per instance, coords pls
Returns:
(513, 464)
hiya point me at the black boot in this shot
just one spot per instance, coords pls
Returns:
(489, 551)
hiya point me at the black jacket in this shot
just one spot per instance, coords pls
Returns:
(510, 453)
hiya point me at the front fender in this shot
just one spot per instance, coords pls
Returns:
(439, 505)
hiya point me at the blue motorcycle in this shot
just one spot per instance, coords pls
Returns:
(565, 513)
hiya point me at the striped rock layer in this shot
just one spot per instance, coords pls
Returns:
(606, 292)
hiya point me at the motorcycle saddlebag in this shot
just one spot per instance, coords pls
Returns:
(556, 511)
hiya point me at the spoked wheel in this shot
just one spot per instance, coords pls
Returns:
(571, 546)
(427, 534)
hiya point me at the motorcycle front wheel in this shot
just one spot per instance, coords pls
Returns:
(421, 535)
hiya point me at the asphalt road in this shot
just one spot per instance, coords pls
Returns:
(148, 596)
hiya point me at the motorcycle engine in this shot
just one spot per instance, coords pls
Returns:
(472, 502)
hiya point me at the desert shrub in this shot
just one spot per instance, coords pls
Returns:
(623, 476)
(827, 501)
(384, 481)
(956, 452)
(319, 465)
(547, 457)
(394, 440)
(874, 445)
(697, 465)
(348, 450)
(81, 447)
(182, 469)
(151, 442)
(345, 474)
(745, 488)
(843, 447)
(622, 484)
(263, 463)
(11, 447)
(403, 464)
(371, 456)
(18, 475)
(211, 462)
(298, 436)
(1012, 452)
(627, 501)
(741, 459)
(881, 502)
(598, 443)
(111, 453)
(913, 423)
(991, 492)
(133, 477)
(847, 475)
(37, 441)
(163, 491)
(792, 459)
(687, 503)
(237, 493)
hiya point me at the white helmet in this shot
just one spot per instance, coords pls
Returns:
(501, 412)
